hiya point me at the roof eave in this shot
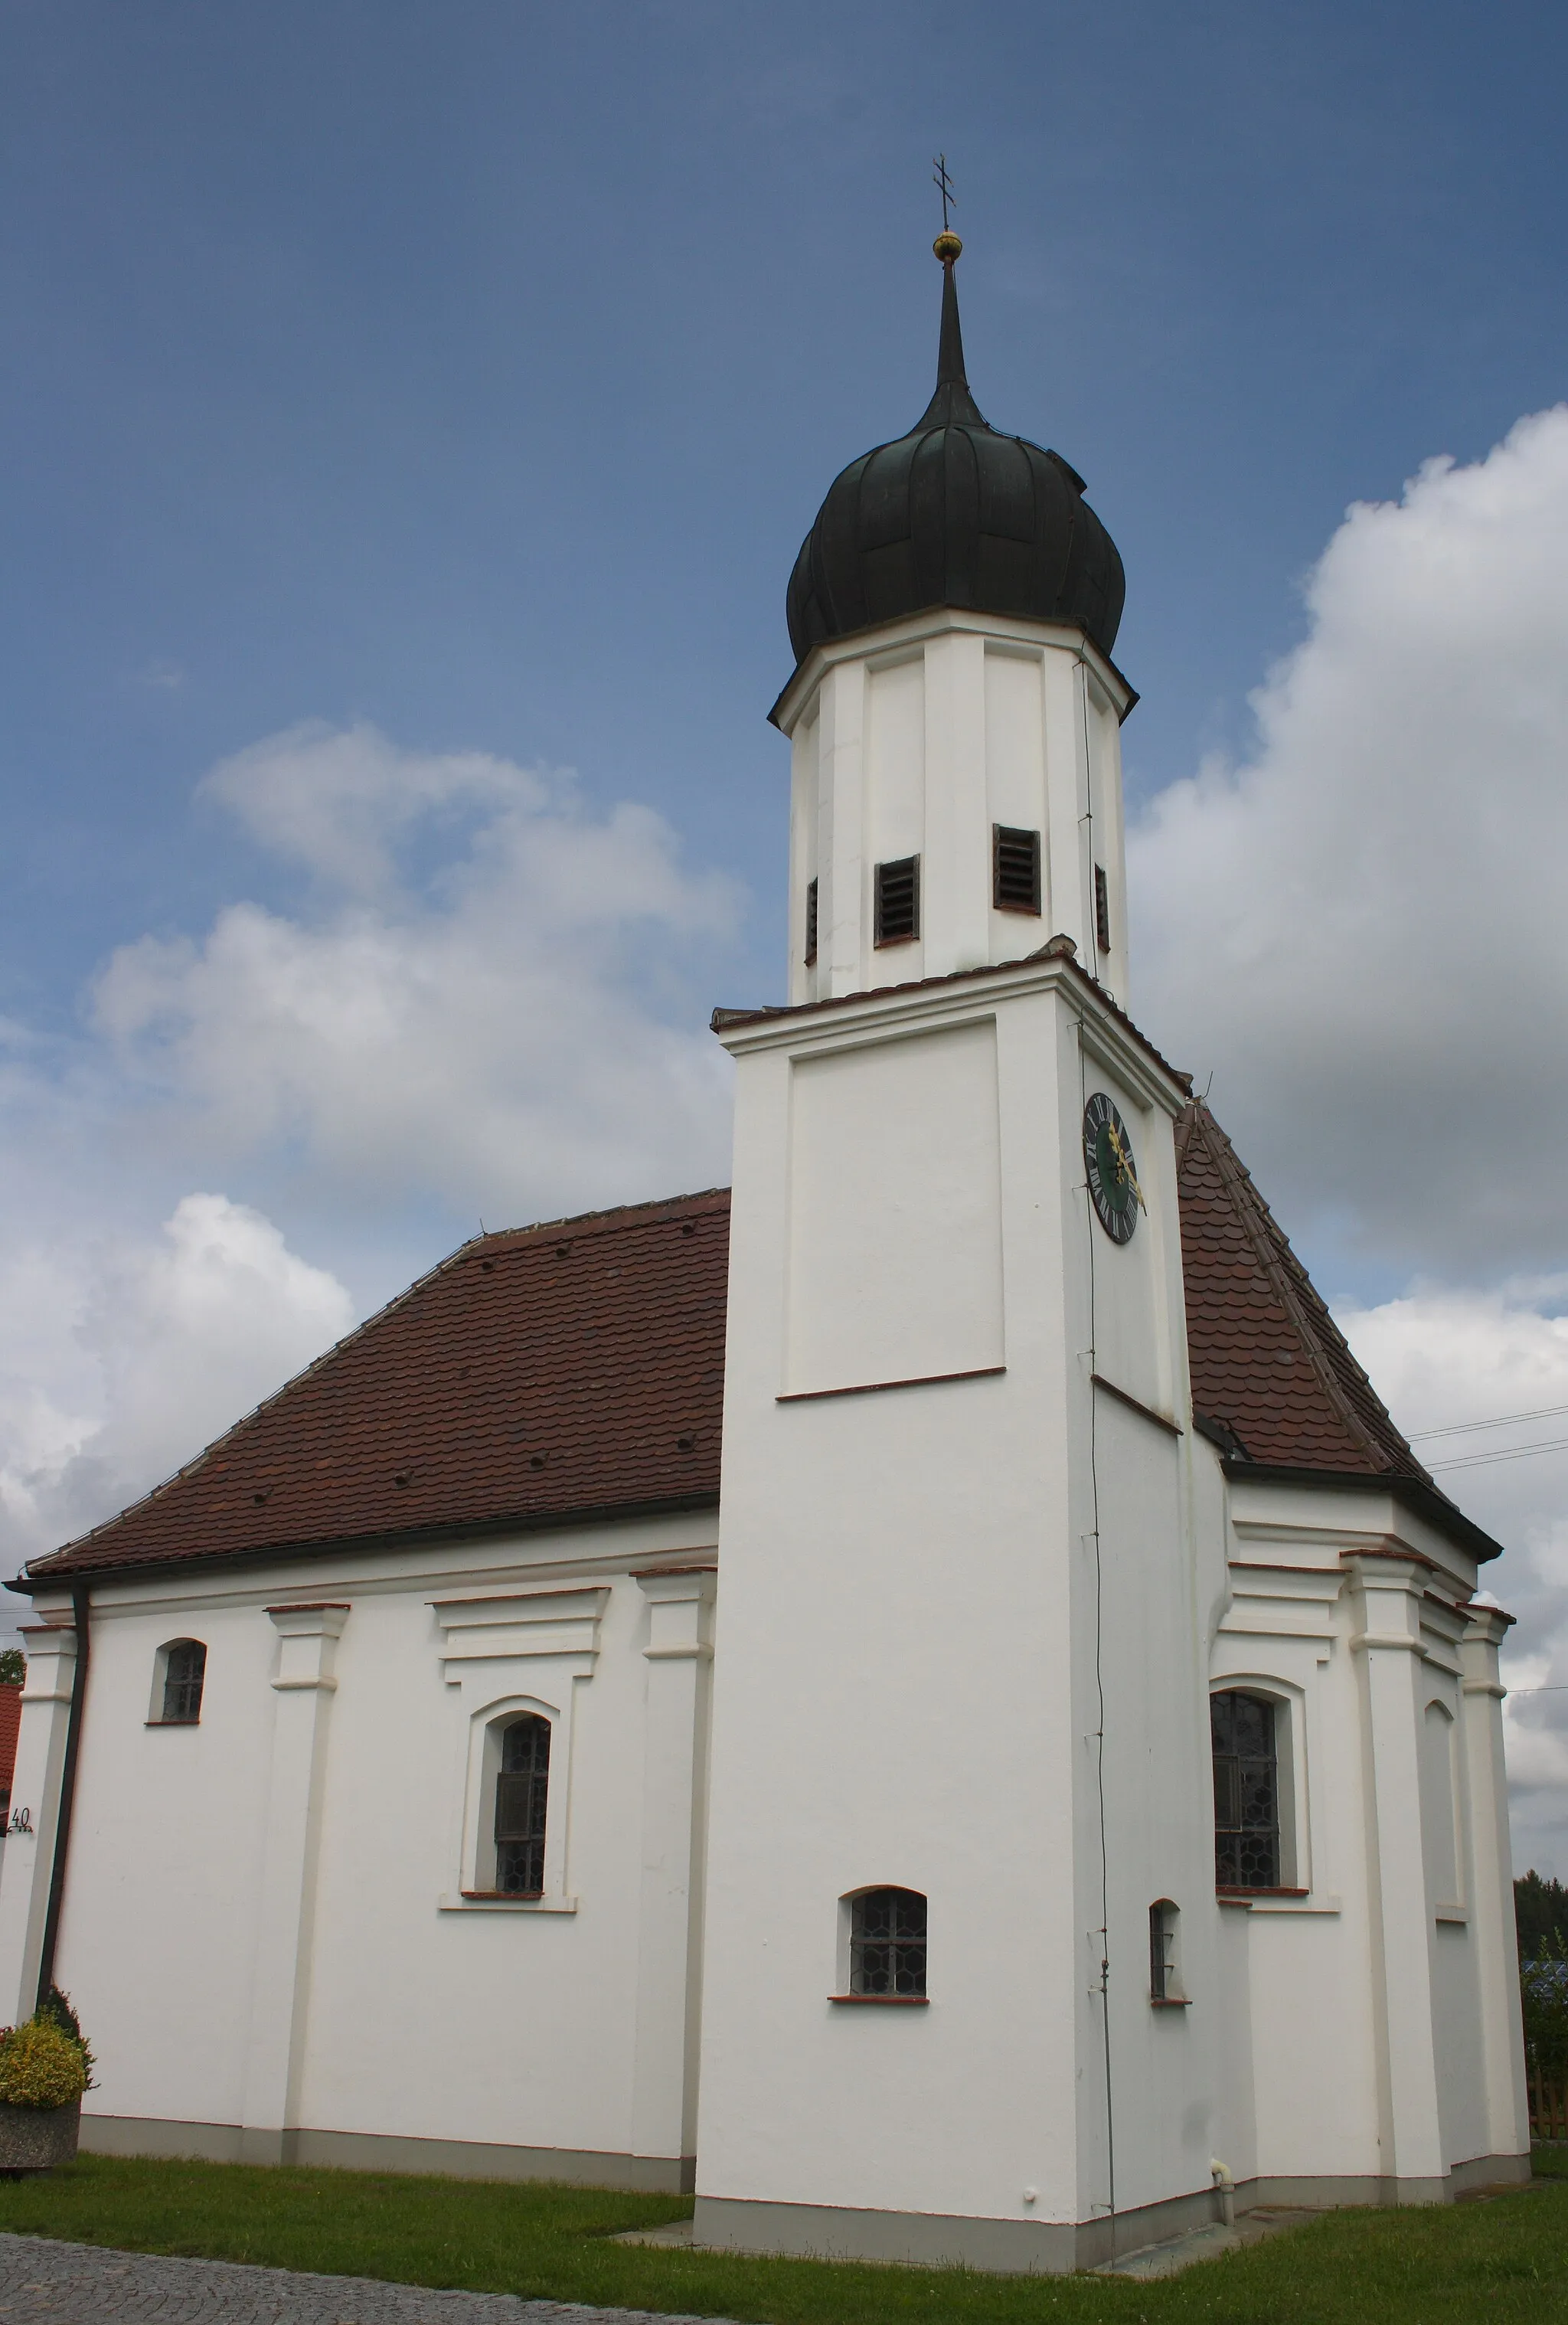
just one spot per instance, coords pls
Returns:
(930, 622)
(357, 1545)
(1424, 1500)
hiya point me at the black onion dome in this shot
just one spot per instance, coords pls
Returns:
(954, 514)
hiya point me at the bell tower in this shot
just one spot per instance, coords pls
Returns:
(960, 1741)
(955, 715)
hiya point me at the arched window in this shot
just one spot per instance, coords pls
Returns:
(521, 1798)
(1246, 1792)
(887, 1942)
(184, 1664)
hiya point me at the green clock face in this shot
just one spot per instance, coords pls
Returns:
(1113, 1188)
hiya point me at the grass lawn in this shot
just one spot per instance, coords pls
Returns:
(1503, 2258)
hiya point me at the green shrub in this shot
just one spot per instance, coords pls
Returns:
(57, 2007)
(40, 2065)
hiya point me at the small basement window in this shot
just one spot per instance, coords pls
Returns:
(810, 923)
(898, 901)
(1014, 869)
(1102, 909)
(887, 1942)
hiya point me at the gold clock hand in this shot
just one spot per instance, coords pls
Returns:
(1125, 1158)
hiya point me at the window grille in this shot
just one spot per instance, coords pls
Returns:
(521, 1796)
(1246, 1792)
(886, 1944)
(898, 901)
(1162, 1969)
(184, 1674)
(1102, 909)
(810, 923)
(1014, 869)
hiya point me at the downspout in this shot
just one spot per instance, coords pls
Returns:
(80, 1595)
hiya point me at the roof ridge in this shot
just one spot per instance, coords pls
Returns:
(1308, 1313)
(584, 1222)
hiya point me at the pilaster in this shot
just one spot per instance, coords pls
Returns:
(1387, 1646)
(679, 1655)
(1491, 1884)
(841, 825)
(956, 911)
(304, 1685)
(28, 1856)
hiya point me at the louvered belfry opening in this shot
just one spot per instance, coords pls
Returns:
(898, 901)
(810, 923)
(1015, 858)
(1102, 909)
(521, 1799)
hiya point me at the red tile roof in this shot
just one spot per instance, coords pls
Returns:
(1267, 1361)
(548, 1375)
(575, 1370)
(10, 1728)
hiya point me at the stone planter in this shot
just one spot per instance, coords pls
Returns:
(31, 2139)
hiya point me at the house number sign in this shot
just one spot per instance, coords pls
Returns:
(21, 1821)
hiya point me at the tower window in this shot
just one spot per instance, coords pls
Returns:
(898, 901)
(810, 923)
(1164, 1981)
(1246, 1792)
(1014, 869)
(521, 1799)
(184, 1664)
(1102, 909)
(887, 1942)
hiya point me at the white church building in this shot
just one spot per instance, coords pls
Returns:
(922, 1697)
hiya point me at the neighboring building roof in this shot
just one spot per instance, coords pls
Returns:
(575, 1370)
(550, 1374)
(10, 1728)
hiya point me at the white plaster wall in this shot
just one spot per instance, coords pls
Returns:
(908, 1695)
(915, 740)
(474, 2024)
(157, 1937)
(1339, 2085)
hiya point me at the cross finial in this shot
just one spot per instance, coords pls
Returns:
(944, 185)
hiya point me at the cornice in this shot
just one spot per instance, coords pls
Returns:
(940, 621)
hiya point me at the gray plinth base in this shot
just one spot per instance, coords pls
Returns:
(33, 2139)
(1017, 2247)
(369, 2151)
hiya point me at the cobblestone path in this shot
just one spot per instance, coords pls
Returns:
(43, 2283)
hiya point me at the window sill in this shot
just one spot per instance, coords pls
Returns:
(1170, 2001)
(1236, 1891)
(173, 1723)
(883, 2001)
(496, 1901)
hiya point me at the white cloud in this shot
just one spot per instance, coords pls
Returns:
(118, 1363)
(506, 1033)
(1361, 929)
(490, 1000)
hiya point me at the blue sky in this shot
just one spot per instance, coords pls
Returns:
(412, 415)
(476, 370)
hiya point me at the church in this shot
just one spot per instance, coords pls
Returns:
(921, 1698)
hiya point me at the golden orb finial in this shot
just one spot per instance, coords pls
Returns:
(947, 246)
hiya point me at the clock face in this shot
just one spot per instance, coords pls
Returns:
(1113, 1188)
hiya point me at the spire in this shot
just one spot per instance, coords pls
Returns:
(951, 401)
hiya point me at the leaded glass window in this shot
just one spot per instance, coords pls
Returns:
(887, 1943)
(1246, 1792)
(521, 1796)
(184, 1672)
